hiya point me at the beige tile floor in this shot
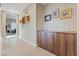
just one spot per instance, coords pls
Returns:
(22, 48)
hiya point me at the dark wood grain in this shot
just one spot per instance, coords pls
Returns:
(59, 43)
(70, 44)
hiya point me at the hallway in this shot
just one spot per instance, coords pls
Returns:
(50, 26)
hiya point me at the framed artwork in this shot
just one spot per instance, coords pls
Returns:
(56, 13)
(28, 18)
(25, 19)
(47, 17)
(66, 13)
(20, 21)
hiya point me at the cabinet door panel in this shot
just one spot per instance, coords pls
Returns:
(44, 40)
(56, 47)
(70, 42)
(50, 44)
(39, 39)
(61, 44)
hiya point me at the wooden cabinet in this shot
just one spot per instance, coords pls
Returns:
(59, 43)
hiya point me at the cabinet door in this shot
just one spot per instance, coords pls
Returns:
(56, 46)
(61, 44)
(44, 40)
(70, 42)
(39, 38)
(50, 42)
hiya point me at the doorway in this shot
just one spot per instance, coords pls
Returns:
(10, 25)
(10, 32)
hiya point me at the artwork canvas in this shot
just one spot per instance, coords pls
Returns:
(56, 13)
(28, 19)
(25, 19)
(47, 17)
(66, 13)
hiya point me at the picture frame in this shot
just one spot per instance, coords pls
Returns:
(56, 13)
(66, 13)
(48, 17)
(25, 19)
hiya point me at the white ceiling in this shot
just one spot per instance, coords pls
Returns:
(15, 7)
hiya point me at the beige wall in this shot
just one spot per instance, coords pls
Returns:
(56, 24)
(28, 31)
(0, 35)
(2, 28)
(39, 16)
(78, 29)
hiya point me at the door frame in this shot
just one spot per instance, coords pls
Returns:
(3, 24)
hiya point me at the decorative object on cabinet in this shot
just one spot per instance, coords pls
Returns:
(56, 13)
(66, 13)
(47, 17)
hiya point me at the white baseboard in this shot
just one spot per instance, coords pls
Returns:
(33, 44)
(12, 36)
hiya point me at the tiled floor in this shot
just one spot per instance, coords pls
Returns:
(22, 48)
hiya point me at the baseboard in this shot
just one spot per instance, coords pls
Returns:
(33, 44)
(12, 36)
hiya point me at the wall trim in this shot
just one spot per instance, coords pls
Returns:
(33, 44)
